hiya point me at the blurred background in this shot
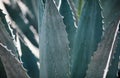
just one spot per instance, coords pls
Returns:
(20, 16)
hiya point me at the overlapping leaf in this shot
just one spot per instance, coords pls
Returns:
(23, 29)
(102, 58)
(11, 64)
(87, 37)
(6, 39)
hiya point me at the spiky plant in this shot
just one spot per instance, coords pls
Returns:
(74, 38)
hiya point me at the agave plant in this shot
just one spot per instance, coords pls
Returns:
(59, 39)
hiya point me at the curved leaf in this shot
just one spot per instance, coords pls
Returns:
(6, 39)
(102, 56)
(88, 35)
(101, 60)
(54, 49)
(11, 64)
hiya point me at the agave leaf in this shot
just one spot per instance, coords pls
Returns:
(6, 39)
(101, 60)
(54, 45)
(88, 35)
(68, 20)
(113, 69)
(6, 36)
(11, 64)
(102, 56)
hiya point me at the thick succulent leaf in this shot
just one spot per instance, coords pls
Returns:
(11, 64)
(6, 39)
(88, 35)
(68, 20)
(113, 69)
(29, 61)
(54, 50)
(104, 53)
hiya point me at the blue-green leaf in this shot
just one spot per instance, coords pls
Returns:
(87, 37)
(102, 57)
(54, 45)
(11, 64)
(6, 39)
